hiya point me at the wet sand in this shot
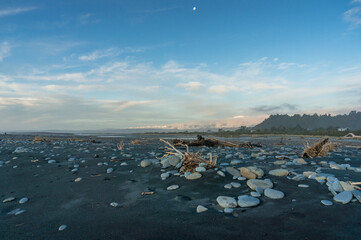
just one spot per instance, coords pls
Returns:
(84, 206)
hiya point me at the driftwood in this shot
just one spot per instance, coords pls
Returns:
(319, 149)
(351, 135)
(120, 146)
(147, 193)
(212, 142)
(40, 139)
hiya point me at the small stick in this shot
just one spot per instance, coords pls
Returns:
(354, 183)
(118, 160)
(172, 146)
(95, 175)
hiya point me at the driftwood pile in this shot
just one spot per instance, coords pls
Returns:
(212, 142)
(320, 149)
(190, 160)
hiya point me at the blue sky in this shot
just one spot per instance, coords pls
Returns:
(120, 64)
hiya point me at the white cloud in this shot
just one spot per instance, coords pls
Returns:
(99, 54)
(14, 11)
(353, 16)
(191, 86)
(5, 49)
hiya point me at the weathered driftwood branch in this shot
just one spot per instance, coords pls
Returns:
(212, 142)
(319, 149)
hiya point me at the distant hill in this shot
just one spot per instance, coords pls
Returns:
(351, 121)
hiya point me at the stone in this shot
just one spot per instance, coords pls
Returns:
(23, 200)
(247, 201)
(303, 185)
(298, 177)
(201, 209)
(145, 163)
(357, 194)
(256, 170)
(62, 227)
(235, 162)
(336, 186)
(346, 186)
(200, 169)
(51, 161)
(174, 160)
(164, 175)
(255, 194)
(279, 162)
(241, 178)
(9, 199)
(110, 170)
(220, 173)
(226, 202)
(273, 194)
(194, 176)
(254, 183)
(245, 172)
(343, 197)
(165, 163)
(114, 204)
(300, 161)
(235, 184)
(233, 171)
(308, 174)
(278, 172)
(172, 187)
(228, 186)
(228, 210)
(78, 179)
(259, 190)
(326, 202)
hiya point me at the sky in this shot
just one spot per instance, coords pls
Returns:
(88, 65)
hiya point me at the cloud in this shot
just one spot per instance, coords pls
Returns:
(5, 49)
(14, 11)
(275, 108)
(87, 19)
(353, 15)
(191, 86)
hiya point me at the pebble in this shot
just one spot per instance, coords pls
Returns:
(343, 197)
(62, 227)
(164, 175)
(194, 176)
(256, 170)
(357, 194)
(326, 202)
(114, 204)
(172, 187)
(200, 169)
(303, 185)
(233, 171)
(228, 210)
(9, 199)
(226, 202)
(278, 172)
(245, 172)
(228, 186)
(220, 173)
(51, 161)
(247, 201)
(235, 184)
(78, 179)
(145, 163)
(23, 200)
(74, 170)
(123, 164)
(255, 194)
(273, 194)
(241, 178)
(201, 209)
(110, 170)
(254, 183)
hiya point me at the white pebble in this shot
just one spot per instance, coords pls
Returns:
(23, 200)
(62, 227)
(114, 204)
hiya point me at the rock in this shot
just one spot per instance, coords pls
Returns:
(308, 174)
(228, 210)
(245, 172)
(226, 202)
(220, 173)
(145, 163)
(256, 170)
(326, 202)
(343, 197)
(273, 194)
(235, 162)
(123, 164)
(235, 184)
(278, 172)
(23, 200)
(9, 199)
(172, 187)
(20, 212)
(78, 179)
(194, 176)
(62, 227)
(336, 186)
(279, 162)
(201, 209)
(233, 171)
(51, 161)
(21, 150)
(357, 194)
(259, 190)
(298, 177)
(247, 201)
(241, 178)
(255, 194)
(110, 170)
(346, 186)
(254, 183)
(303, 185)
(174, 160)
(165, 163)
(228, 186)
(164, 175)
(200, 169)
(114, 204)
(74, 170)
(300, 161)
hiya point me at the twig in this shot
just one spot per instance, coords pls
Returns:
(172, 147)
(147, 193)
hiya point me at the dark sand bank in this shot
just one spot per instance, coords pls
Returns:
(84, 206)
